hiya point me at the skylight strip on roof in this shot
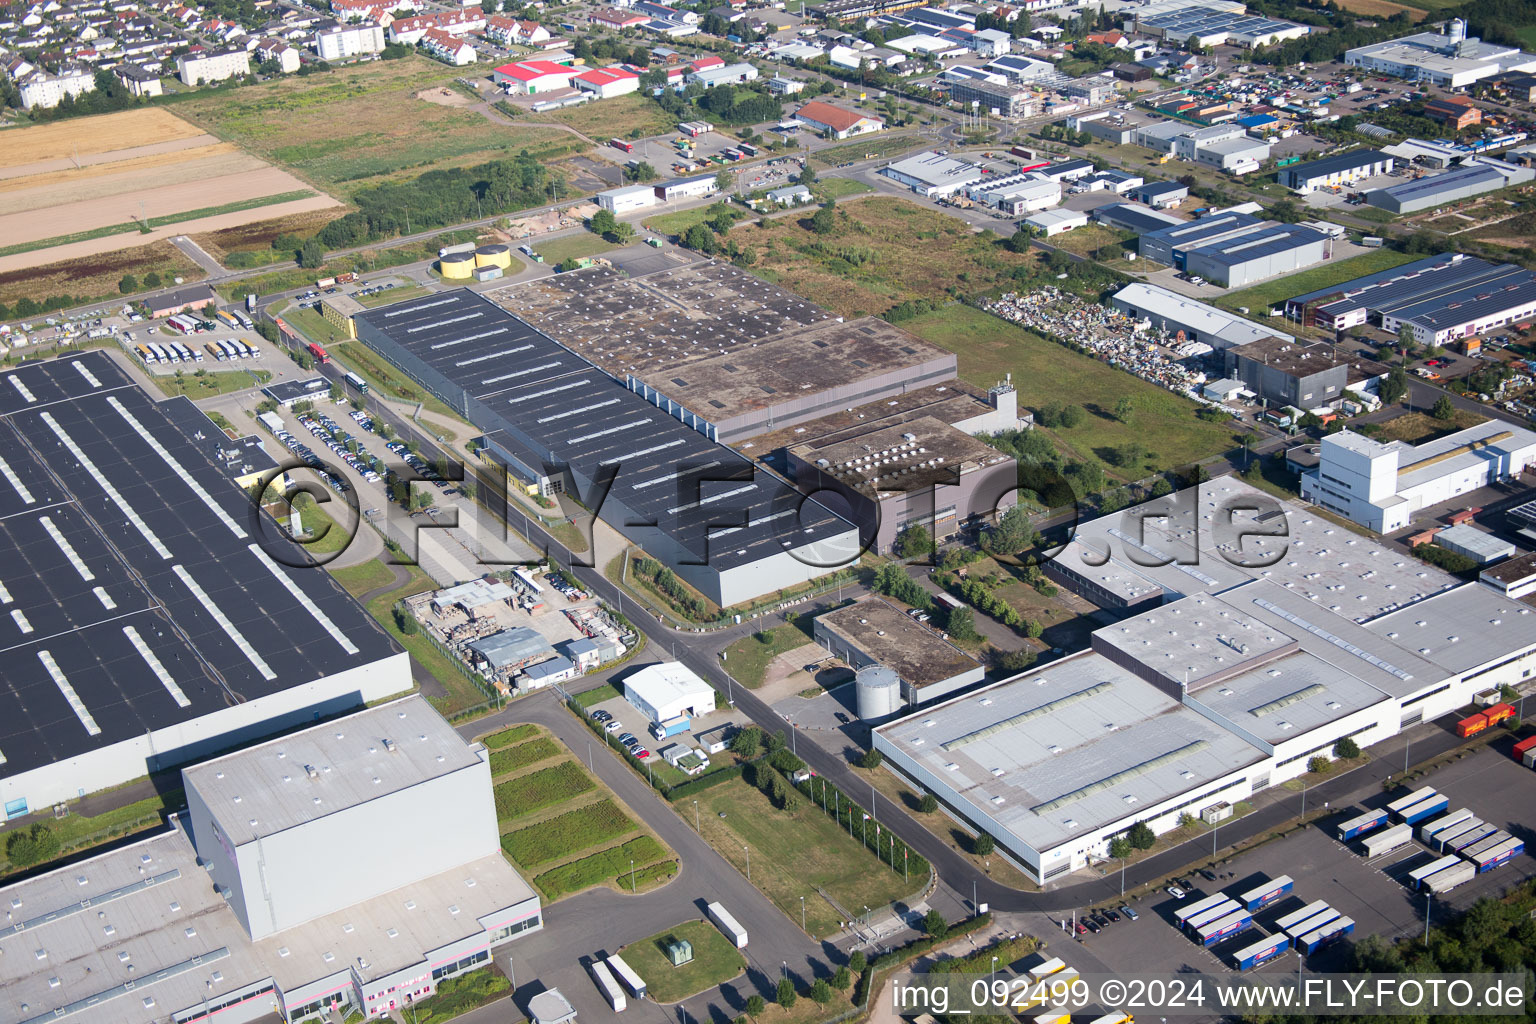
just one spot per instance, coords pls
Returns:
(104, 597)
(5, 595)
(466, 338)
(62, 682)
(68, 549)
(1337, 641)
(425, 305)
(444, 323)
(713, 498)
(156, 667)
(576, 411)
(223, 620)
(611, 430)
(523, 373)
(26, 392)
(673, 475)
(97, 900)
(10, 474)
(493, 355)
(548, 391)
(20, 618)
(96, 999)
(303, 599)
(106, 485)
(756, 522)
(90, 378)
(181, 473)
(644, 451)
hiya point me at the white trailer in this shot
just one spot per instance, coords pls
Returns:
(1428, 831)
(727, 925)
(1449, 878)
(627, 975)
(1383, 843)
(607, 986)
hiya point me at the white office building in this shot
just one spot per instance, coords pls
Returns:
(667, 690)
(1382, 486)
(352, 40)
(627, 199)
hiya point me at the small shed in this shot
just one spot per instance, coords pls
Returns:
(679, 951)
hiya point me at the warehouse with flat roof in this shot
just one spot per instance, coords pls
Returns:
(729, 528)
(1176, 314)
(876, 632)
(1235, 249)
(1471, 179)
(153, 615)
(1330, 171)
(230, 914)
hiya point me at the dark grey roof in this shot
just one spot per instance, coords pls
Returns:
(1442, 290)
(286, 391)
(1157, 189)
(506, 376)
(118, 530)
(1266, 241)
(1335, 164)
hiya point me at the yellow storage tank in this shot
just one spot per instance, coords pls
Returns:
(494, 255)
(457, 266)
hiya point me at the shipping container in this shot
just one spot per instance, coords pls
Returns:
(1296, 917)
(1447, 836)
(1411, 799)
(608, 986)
(1472, 725)
(1469, 839)
(1428, 830)
(627, 975)
(1417, 875)
(727, 925)
(1224, 928)
(1314, 941)
(1498, 713)
(1499, 855)
(1225, 908)
(1356, 827)
(1263, 895)
(1383, 843)
(1529, 743)
(1425, 809)
(1449, 878)
(1261, 953)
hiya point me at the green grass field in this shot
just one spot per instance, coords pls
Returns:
(557, 250)
(677, 224)
(212, 382)
(796, 852)
(747, 659)
(597, 695)
(610, 865)
(314, 326)
(78, 831)
(569, 833)
(511, 759)
(868, 148)
(543, 788)
(631, 116)
(355, 127)
(1274, 293)
(838, 188)
(715, 960)
(1045, 372)
(386, 381)
(397, 295)
(507, 737)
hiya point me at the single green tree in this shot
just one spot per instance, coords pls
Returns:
(724, 179)
(756, 1004)
(785, 996)
(1319, 764)
(935, 925)
(312, 254)
(1120, 847)
(128, 285)
(151, 280)
(602, 222)
(982, 845)
(962, 624)
(1124, 408)
(1444, 408)
(915, 542)
(1141, 836)
(824, 220)
(701, 239)
(821, 991)
(842, 978)
(1346, 749)
(1394, 387)
(928, 804)
(871, 759)
(857, 961)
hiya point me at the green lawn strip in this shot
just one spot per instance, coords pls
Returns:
(76, 831)
(600, 868)
(313, 325)
(715, 960)
(567, 833)
(506, 737)
(837, 188)
(457, 996)
(328, 535)
(388, 381)
(154, 222)
(543, 788)
(597, 695)
(461, 692)
(1043, 372)
(1272, 294)
(557, 250)
(748, 658)
(512, 759)
(391, 296)
(678, 223)
(213, 382)
(794, 853)
(646, 879)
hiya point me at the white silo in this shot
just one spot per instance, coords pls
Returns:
(877, 692)
(1457, 31)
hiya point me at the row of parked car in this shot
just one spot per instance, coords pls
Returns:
(1097, 920)
(329, 433)
(629, 741)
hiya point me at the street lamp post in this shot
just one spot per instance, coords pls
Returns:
(993, 979)
(632, 875)
(802, 913)
(696, 818)
(1429, 899)
(749, 860)
(1122, 876)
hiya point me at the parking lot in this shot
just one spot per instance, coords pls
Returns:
(623, 719)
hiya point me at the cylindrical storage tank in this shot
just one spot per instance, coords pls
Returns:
(457, 266)
(495, 255)
(877, 691)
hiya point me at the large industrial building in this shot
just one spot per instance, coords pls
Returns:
(154, 615)
(247, 909)
(1474, 177)
(875, 632)
(1450, 59)
(1441, 298)
(1187, 319)
(1235, 662)
(1336, 171)
(1211, 24)
(1235, 249)
(725, 526)
(1382, 486)
(1288, 373)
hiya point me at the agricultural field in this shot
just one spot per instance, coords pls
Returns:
(140, 170)
(94, 278)
(1384, 9)
(351, 129)
(1163, 423)
(884, 251)
(562, 828)
(630, 116)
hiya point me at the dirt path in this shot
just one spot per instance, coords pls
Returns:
(430, 687)
(490, 113)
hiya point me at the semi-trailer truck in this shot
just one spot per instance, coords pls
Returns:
(727, 925)
(1358, 826)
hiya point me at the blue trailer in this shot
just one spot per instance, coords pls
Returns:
(1261, 953)
(1424, 809)
(1430, 829)
(1296, 917)
(1446, 836)
(1482, 846)
(1312, 924)
(1226, 908)
(1313, 941)
(1356, 827)
(1263, 895)
(1182, 915)
(1499, 855)
(1470, 838)
(671, 727)
(1224, 928)
(1404, 802)
(1419, 875)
